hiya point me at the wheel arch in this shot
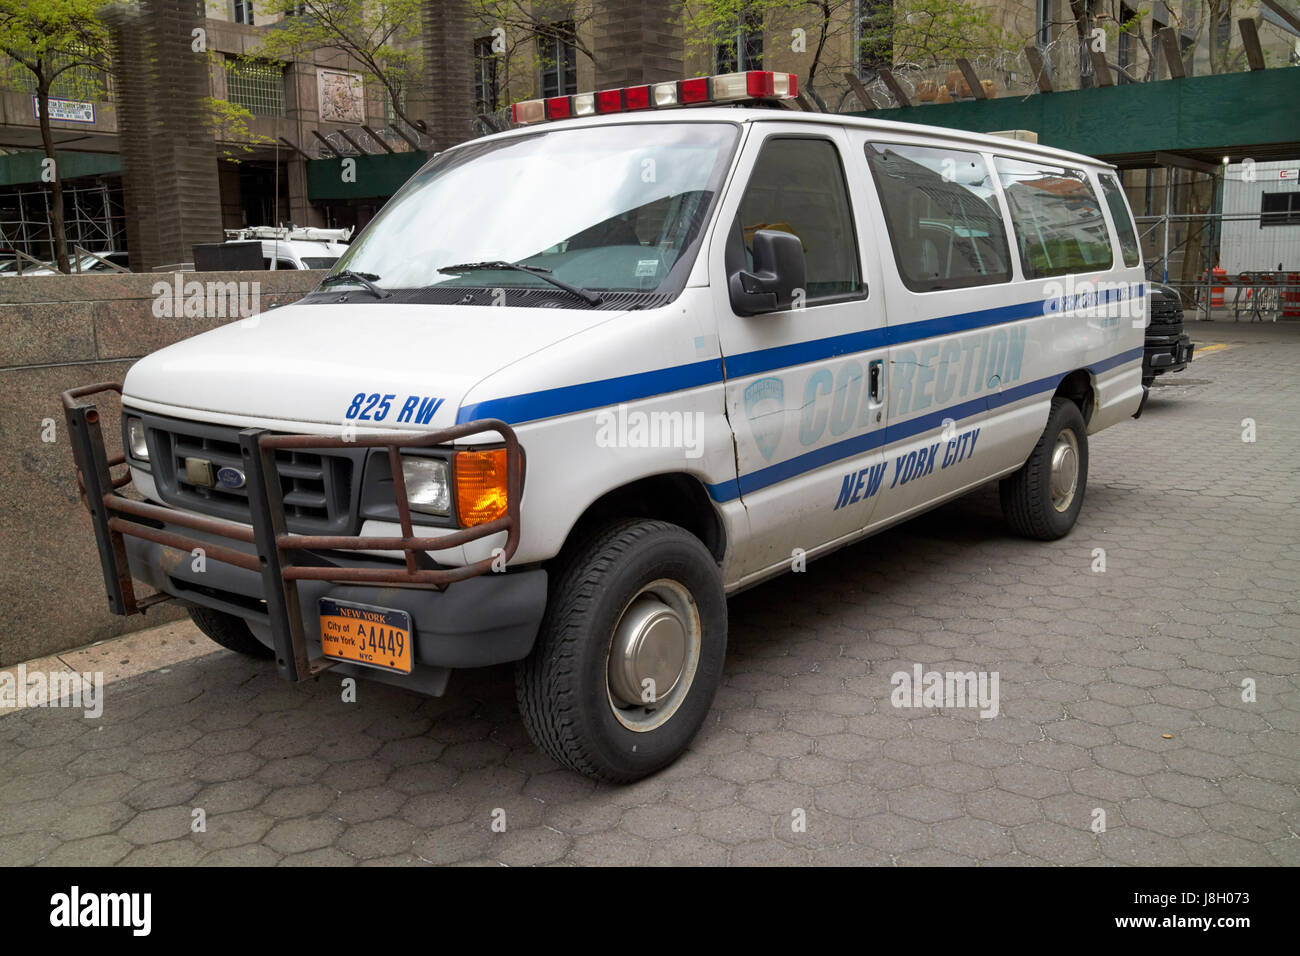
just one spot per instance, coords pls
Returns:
(1078, 387)
(675, 497)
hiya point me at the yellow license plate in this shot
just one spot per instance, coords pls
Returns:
(375, 636)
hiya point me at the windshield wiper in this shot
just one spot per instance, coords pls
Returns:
(591, 298)
(366, 279)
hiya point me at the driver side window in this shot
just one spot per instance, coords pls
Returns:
(797, 186)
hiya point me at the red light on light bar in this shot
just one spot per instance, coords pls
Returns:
(738, 88)
(694, 91)
(609, 101)
(527, 111)
(760, 83)
(636, 97)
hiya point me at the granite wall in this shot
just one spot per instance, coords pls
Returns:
(56, 333)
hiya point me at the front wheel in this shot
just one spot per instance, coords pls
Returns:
(1042, 499)
(230, 632)
(630, 652)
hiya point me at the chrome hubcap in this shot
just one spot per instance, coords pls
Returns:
(1065, 469)
(653, 655)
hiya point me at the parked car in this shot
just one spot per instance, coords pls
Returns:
(79, 265)
(1168, 348)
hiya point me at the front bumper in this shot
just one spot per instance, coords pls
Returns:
(490, 619)
(1166, 354)
(273, 578)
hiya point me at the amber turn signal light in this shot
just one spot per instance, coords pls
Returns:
(481, 493)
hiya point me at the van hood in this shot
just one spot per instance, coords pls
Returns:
(323, 363)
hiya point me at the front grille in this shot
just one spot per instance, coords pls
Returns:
(1166, 310)
(320, 489)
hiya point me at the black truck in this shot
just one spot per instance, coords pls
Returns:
(1168, 348)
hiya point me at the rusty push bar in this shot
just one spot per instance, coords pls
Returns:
(115, 516)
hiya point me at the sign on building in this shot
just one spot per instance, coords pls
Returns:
(66, 111)
(341, 96)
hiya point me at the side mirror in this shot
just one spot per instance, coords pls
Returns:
(779, 272)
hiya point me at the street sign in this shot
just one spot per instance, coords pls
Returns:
(66, 111)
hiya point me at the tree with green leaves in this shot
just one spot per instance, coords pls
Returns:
(899, 34)
(55, 45)
(526, 34)
(902, 34)
(382, 39)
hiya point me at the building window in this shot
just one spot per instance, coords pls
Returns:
(557, 48)
(1279, 209)
(1044, 23)
(1157, 47)
(243, 12)
(743, 50)
(487, 89)
(72, 83)
(1124, 55)
(256, 85)
(875, 23)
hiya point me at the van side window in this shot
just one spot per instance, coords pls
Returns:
(798, 187)
(942, 212)
(1128, 240)
(1057, 218)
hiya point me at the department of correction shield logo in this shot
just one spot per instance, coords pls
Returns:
(765, 409)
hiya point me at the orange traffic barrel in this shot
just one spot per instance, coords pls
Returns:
(1216, 292)
(1291, 296)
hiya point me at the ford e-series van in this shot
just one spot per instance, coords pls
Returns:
(580, 381)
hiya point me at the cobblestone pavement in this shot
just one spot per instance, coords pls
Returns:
(1120, 691)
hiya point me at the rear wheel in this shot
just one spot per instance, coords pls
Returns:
(1042, 499)
(230, 632)
(630, 652)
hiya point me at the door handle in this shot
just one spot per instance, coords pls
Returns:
(875, 373)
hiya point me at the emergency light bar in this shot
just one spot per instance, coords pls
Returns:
(697, 91)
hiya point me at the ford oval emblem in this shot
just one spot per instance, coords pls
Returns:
(230, 478)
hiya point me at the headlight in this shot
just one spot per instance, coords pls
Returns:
(427, 486)
(138, 447)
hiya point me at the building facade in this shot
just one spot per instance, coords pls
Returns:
(283, 129)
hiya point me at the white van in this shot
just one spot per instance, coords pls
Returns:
(580, 381)
(294, 247)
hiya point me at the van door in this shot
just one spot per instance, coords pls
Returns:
(804, 387)
(958, 318)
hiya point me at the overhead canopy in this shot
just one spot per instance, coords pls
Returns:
(1199, 119)
(373, 177)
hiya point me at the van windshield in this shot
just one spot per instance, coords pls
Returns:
(603, 208)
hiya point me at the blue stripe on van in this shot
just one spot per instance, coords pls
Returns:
(547, 403)
(609, 391)
(859, 444)
(800, 353)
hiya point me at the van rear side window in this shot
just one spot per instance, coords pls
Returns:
(1057, 218)
(1119, 214)
(942, 212)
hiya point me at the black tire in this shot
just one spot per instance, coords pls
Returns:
(230, 632)
(564, 688)
(1147, 380)
(1027, 497)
